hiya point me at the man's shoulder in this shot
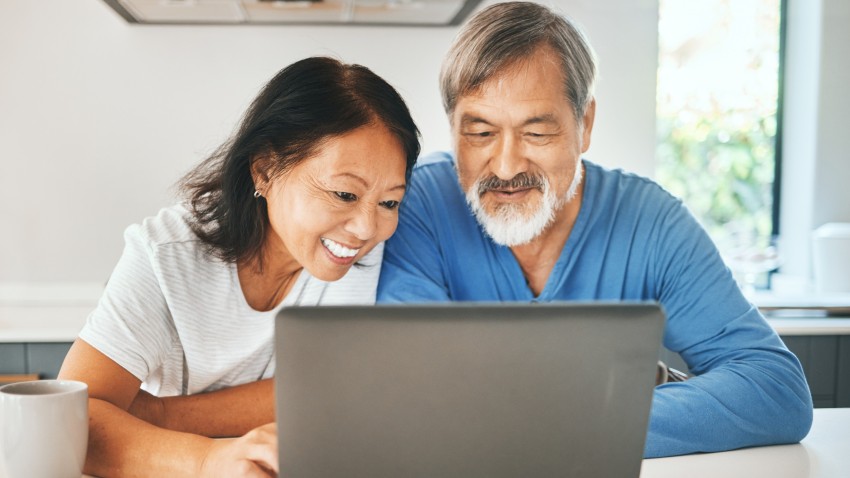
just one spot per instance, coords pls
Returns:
(435, 168)
(626, 187)
(436, 159)
(435, 180)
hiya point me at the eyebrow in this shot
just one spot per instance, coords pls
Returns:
(542, 119)
(468, 119)
(362, 181)
(547, 118)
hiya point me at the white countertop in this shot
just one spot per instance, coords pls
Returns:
(58, 323)
(51, 312)
(824, 453)
(57, 312)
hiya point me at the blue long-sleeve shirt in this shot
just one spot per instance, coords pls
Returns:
(631, 241)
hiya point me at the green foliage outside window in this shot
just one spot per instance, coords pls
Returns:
(722, 165)
(716, 111)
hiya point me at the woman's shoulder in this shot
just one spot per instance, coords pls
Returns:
(171, 225)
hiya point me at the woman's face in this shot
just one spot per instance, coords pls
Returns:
(330, 210)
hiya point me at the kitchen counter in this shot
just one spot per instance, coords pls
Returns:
(43, 323)
(57, 312)
(52, 312)
(822, 454)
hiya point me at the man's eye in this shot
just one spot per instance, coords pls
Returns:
(480, 137)
(538, 138)
(344, 196)
(390, 204)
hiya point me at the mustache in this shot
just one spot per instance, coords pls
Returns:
(520, 181)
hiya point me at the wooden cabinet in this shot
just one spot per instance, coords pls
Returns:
(20, 361)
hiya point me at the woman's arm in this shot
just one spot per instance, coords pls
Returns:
(224, 413)
(123, 445)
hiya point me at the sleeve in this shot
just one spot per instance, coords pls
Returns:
(132, 324)
(413, 270)
(749, 389)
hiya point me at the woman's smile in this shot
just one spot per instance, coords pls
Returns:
(339, 251)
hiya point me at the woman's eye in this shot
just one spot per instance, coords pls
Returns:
(347, 197)
(390, 204)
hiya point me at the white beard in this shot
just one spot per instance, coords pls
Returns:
(512, 225)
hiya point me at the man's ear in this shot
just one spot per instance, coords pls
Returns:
(587, 125)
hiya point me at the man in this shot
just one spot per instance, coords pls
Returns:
(520, 216)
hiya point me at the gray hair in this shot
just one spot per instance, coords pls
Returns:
(505, 33)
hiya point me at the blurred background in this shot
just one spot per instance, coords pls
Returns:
(738, 106)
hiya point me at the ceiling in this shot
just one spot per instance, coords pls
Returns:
(267, 12)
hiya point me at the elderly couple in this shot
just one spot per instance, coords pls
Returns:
(296, 207)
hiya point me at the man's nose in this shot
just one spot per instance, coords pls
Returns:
(509, 159)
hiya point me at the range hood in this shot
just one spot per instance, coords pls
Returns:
(270, 12)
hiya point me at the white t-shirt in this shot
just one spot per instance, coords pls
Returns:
(176, 318)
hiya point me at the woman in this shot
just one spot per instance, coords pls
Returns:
(308, 187)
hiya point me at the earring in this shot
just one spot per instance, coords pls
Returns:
(257, 194)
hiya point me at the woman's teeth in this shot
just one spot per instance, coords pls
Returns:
(338, 249)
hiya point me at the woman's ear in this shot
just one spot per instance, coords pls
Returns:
(260, 173)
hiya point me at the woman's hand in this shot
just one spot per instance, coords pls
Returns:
(251, 455)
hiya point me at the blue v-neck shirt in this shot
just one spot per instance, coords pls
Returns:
(631, 241)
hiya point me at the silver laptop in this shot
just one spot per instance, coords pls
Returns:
(465, 390)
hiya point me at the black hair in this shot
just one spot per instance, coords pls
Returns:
(304, 105)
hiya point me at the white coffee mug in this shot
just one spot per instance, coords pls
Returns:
(44, 429)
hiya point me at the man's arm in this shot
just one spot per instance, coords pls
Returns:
(122, 445)
(748, 389)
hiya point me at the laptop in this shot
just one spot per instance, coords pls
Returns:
(466, 390)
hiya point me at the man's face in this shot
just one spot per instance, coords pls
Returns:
(518, 148)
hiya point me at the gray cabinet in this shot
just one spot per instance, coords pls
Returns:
(12, 359)
(41, 359)
(842, 373)
(825, 360)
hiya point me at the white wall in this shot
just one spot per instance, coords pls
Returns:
(99, 118)
(816, 144)
(832, 177)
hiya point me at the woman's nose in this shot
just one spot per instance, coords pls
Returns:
(363, 224)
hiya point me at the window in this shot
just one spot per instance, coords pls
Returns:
(718, 113)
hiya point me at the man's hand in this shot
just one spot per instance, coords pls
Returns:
(251, 455)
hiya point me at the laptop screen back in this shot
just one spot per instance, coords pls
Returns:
(465, 390)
